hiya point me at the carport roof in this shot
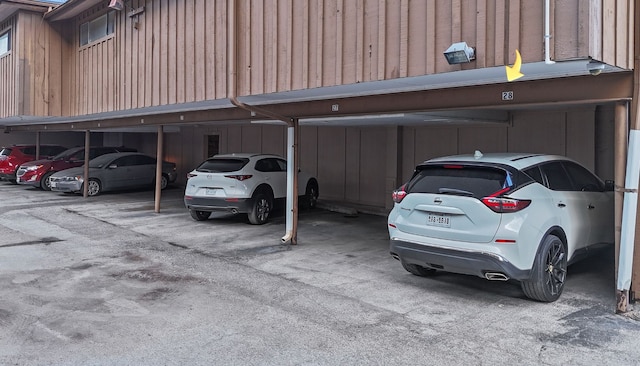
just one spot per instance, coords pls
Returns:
(403, 100)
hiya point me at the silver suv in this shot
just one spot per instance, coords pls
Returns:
(501, 216)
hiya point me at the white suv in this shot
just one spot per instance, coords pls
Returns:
(501, 216)
(243, 183)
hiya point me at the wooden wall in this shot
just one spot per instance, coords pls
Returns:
(176, 50)
(8, 89)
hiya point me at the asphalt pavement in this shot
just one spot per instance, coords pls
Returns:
(107, 281)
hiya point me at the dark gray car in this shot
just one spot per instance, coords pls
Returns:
(112, 172)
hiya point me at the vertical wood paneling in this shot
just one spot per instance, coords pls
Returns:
(181, 59)
(176, 50)
(257, 47)
(220, 79)
(8, 73)
(163, 44)
(150, 57)
(283, 50)
(201, 49)
(190, 61)
(481, 27)
(404, 39)
(172, 37)
(338, 65)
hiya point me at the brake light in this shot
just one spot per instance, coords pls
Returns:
(191, 175)
(399, 194)
(239, 177)
(505, 205)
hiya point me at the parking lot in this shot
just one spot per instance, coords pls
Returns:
(107, 281)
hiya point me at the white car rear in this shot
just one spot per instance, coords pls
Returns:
(243, 183)
(500, 217)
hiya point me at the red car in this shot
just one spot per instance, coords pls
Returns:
(13, 156)
(36, 173)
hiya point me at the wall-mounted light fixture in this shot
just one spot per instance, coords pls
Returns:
(459, 53)
(116, 4)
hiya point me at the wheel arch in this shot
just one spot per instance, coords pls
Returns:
(558, 232)
(263, 188)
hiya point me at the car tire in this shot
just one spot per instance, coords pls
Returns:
(44, 181)
(199, 215)
(94, 187)
(418, 270)
(311, 195)
(164, 182)
(261, 208)
(549, 271)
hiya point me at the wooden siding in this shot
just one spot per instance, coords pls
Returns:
(175, 51)
(31, 72)
(8, 87)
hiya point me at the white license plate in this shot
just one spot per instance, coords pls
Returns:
(53, 184)
(211, 191)
(439, 220)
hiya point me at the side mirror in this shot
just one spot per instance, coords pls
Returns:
(609, 186)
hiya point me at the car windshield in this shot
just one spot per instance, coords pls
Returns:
(6, 151)
(460, 180)
(100, 161)
(222, 165)
(65, 154)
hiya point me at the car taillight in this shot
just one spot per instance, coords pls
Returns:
(191, 175)
(399, 194)
(239, 177)
(505, 205)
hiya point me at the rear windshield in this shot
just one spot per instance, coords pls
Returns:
(6, 151)
(460, 180)
(222, 165)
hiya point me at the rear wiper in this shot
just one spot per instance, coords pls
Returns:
(457, 192)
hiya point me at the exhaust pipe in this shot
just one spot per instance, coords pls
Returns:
(395, 256)
(496, 276)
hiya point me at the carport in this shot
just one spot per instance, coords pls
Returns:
(467, 97)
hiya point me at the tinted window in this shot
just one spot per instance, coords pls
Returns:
(583, 179)
(6, 151)
(271, 165)
(29, 150)
(78, 155)
(222, 165)
(100, 161)
(51, 150)
(471, 181)
(143, 160)
(536, 174)
(557, 176)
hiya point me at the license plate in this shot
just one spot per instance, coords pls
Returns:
(439, 220)
(211, 191)
(53, 184)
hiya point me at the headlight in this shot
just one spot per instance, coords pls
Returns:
(33, 167)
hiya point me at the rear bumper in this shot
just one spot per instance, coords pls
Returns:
(475, 263)
(235, 205)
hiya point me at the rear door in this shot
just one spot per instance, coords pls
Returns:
(143, 170)
(571, 205)
(274, 172)
(444, 202)
(599, 203)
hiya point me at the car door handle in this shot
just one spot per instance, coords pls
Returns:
(560, 204)
(591, 207)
